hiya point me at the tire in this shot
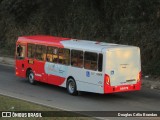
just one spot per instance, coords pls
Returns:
(30, 77)
(72, 87)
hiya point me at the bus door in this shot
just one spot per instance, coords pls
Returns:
(20, 60)
(39, 63)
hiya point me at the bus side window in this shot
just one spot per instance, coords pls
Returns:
(64, 56)
(67, 56)
(41, 52)
(31, 50)
(90, 61)
(49, 54)
(77, 58)
(20, 54)
(44, 48)
(100, 62)
(55, 54)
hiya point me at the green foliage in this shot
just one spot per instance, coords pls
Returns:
(129, 22)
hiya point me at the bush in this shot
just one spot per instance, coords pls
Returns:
(126, 22)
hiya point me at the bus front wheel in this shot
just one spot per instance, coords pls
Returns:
(71, 87)
(31, 77)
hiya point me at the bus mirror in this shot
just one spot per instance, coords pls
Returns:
(19, 50)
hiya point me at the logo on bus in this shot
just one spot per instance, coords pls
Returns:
(87, 73)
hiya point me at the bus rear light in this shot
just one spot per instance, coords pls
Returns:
(139, 76)
(106, 79)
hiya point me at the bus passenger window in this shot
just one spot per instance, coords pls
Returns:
(90, 61)
(64, 56)
(100, 62)
(41, 52)
(77, 58)
(55, 54)
(20, 54)
(67, 56)
(52, 54)
(49, 54)
(31, 50)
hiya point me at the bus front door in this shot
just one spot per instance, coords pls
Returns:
(20, 60)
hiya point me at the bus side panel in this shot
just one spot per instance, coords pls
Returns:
(38, 67)
(55, 80)
(39, 70)
(56, 73)
(87, 80)
(20, 70)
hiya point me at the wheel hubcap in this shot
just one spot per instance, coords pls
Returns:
(31, 77)
(71, 87)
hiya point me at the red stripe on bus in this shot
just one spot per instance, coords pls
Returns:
(55, 80)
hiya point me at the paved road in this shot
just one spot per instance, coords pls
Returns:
(144, 100)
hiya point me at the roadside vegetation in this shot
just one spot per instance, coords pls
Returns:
(131, 22)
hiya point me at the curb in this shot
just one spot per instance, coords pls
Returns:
(147, 83)
(7, 60)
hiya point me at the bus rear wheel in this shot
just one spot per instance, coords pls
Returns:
(71, 87)
(30, 76)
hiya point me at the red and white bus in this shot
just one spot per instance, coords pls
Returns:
(79, 65)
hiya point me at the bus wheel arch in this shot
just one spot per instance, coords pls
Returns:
(27, 71)
(30, 76)
(71, 86)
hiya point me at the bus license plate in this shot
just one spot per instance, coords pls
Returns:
(123, 88)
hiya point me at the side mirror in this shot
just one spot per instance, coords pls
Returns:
(18, 49)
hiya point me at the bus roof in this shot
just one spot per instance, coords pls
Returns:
(70, 43)
(42, 39)
(94, 46)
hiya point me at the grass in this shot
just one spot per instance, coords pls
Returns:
(14, 105)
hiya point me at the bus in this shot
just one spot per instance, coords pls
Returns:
(78, 65)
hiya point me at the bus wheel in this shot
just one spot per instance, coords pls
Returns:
(71, 87)
(31, 77)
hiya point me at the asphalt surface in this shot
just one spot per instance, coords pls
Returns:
(53, 96)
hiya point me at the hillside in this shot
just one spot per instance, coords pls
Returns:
(132, 22)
